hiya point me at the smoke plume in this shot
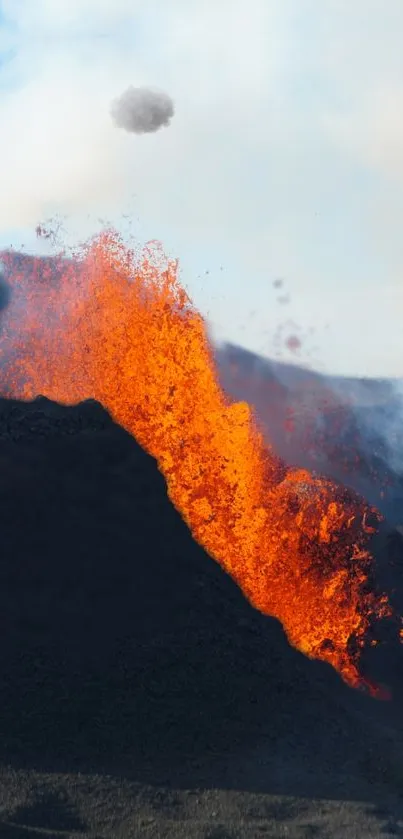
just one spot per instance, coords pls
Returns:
(142, 110)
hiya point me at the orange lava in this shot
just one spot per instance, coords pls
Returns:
(121, 330)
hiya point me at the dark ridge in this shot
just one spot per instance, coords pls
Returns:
(128, 653)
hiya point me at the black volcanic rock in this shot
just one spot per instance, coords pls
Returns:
(128, 654)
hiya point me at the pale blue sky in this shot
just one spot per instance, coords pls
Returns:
(284, 159)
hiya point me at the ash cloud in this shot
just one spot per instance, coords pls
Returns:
(384, 427)
(142, 110)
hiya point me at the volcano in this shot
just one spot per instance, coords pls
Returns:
(117, 326)
(141, 694)
(180, 601)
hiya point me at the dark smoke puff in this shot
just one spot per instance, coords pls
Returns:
(5, 289)
(142, 110)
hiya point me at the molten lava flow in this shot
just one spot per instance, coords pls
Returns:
(125, 333)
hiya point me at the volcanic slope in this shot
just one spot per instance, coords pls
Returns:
(140, 694)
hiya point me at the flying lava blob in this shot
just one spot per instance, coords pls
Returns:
(118, 327)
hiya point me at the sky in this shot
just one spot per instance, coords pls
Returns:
(284, 159)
